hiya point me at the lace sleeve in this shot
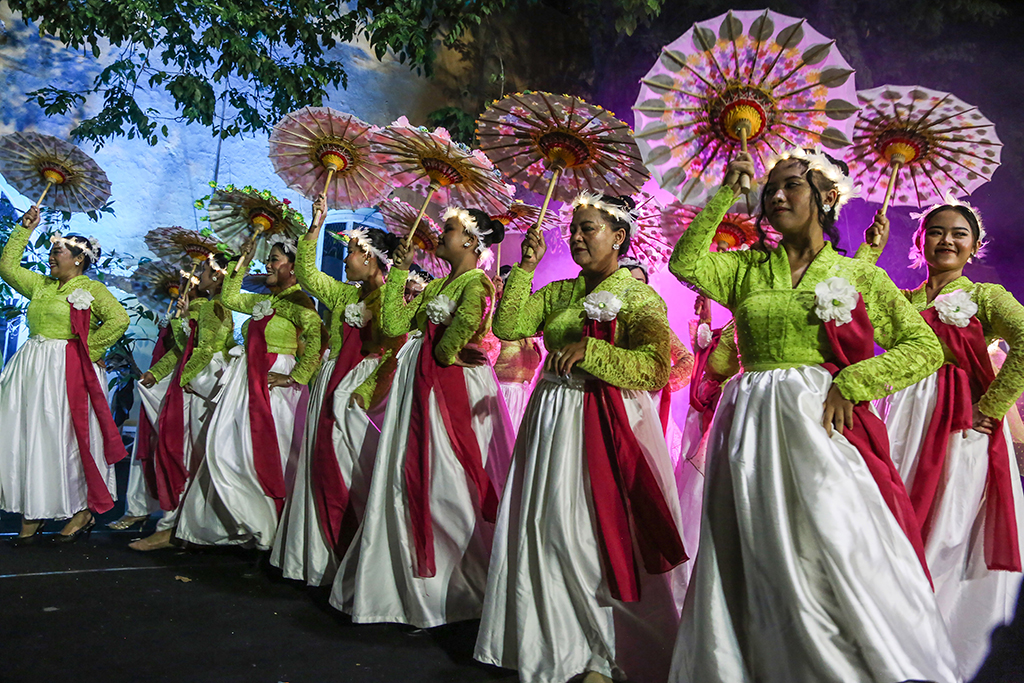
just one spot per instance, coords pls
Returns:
(329, 291)
(167, 363)
(308, 324)
(644, 362)
(1005, 319)
(215, 324)
(113, 319)
(520, 314)
(232, 294)
(23, 280)
(396, 315)
(724, 359)
(682, 364)
(912, 350)
(471, 317)
(867, 253)
(713, 273)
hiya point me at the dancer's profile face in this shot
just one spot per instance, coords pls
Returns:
(206, 282)
(455, 240)
(591, 239)
(948, 241)
(355, 268)
(62, 262)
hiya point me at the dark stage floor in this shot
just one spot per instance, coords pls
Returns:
(98, 611)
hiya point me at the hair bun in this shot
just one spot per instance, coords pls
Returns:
(497, 229)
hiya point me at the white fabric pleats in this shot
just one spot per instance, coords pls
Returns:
(138, 501)
(225, 504)
(803, 574)
(376, 581)
(41, 475)
(300, 549)
(549, 613)
(972, 599)
(516, 395)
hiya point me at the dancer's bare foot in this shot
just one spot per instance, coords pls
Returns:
(157, 541)
(81, 520)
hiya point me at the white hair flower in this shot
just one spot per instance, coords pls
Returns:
(704, 336)
(620, 213)
(602, 306)
(956, 308)
(835, 299)
(287, 245)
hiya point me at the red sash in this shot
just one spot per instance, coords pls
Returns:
(665, 407)
(144, 437)
(448, 385)
(171, 473)
(85, 394)
(852, 343)
(959, 387)
(628, 502)
(704, 393)
(330, 493)
(265, 451)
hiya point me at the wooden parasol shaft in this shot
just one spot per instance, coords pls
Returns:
(896, 162)
(556, 174)
(188, 286)
(255, 236)
(43, 195)
(419, 216)
(744, 129)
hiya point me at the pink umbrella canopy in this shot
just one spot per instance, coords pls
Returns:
(756, 81)
(60, 174)
(914, 146)
(399, 217)
(737, 231)
(317, 150)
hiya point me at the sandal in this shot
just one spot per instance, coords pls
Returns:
(127, 522)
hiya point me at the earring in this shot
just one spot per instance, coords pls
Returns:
(827, 207)
(78, 263)
(214, 278)
(466, 245)
(615, 246)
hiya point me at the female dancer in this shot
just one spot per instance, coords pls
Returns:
(203, 333)
(566, 593)
(949, 439)
(60, 439)
(809, 569)
(420, 556)
(516, 364)
(340, 443)
(254, 433)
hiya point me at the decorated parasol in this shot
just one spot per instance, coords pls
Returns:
(944, 144)
(520, 217)
(737, 231)
(648, 243)
(316, 146)
(34, 164)
(444, 170)
(560, 146)
(156, 283)
(399, 217)
(756, 82)
(175, 242)
(237, 214)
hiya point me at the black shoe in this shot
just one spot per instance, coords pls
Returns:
(22, 541)
(72, 537)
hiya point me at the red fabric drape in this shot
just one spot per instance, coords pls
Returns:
(85, 394)
(851, 343)
(330, 492)
(704, 393)
(171, 472)
(145, 437)
(628, 502)
(959, 387)
(448, 385)
(265, 450)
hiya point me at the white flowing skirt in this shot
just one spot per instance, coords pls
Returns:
(548, 611)
(803, 575)
(972, 599)
(376, 581)
(300, 549)
(517, 395)
(689, 473)
(138, 501)
(41, 474)
(225, 504)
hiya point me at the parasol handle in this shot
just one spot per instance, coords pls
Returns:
(556, 174)
(43, 195)
(743, 128)
(895, 162)
(187, 287)
(327, 183)
(497, 260)
(255, 236)
(419, 216)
